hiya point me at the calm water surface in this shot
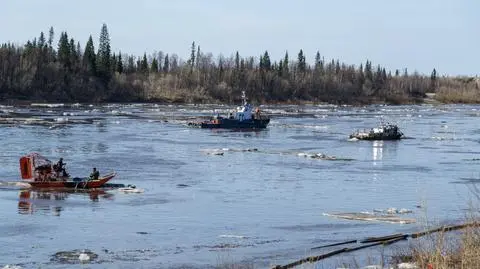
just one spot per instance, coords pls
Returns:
(259, 207)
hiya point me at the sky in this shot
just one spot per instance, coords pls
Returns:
(414, 34)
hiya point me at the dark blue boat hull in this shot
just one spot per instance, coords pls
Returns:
(232, 124)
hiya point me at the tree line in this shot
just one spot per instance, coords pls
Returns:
(40, 70)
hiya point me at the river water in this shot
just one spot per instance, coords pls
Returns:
(260, 203)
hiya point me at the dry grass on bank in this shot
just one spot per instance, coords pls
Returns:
(456, 250)
(459, 90)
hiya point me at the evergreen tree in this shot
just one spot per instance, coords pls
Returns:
(198, 58)
(104, 53)
(64, 51)
(265, 63)
(166, 64)
(285, 64)
(51, 34)
(368, 71)
(131, 64)
(237, 60)
(79, 50)
(317, 61)
(191, 61)
(154, 66)
(41, 40)
(114, 63)
(433, 80)
(144, 64)
(73, 50)
(301, 65)
(89, 57)
(119, 67)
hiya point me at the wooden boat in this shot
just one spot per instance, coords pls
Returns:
(39, 172)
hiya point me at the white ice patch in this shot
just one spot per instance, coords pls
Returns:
(233, 236)
(61, 120)
(8, 266)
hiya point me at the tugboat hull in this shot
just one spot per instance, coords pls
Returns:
(384, 132)
(232, 124)
(361, 136)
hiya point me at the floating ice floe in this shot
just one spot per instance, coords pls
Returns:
(46, 105)
(15, 184)
(365, 216)
(131, 189)
(8, 266)
(233, 236)
(83, 257)
(393, 210)
(61, 120)
(74, 256)
(316, 156)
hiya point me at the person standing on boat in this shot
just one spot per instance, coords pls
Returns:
(95, 174)
(59, 167)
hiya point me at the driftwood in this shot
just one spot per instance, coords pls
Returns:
(371, 242)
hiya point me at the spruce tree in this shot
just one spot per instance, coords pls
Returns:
(166, 64)
(89, 57)
(191, 61)
(119, 67)
(41, 40)
(318, 60)
(266, 62)
(131, 64)
(104, 53)
(154, 66)
(64, 51)
(237, 60)
(144, 64)
(301, 62)
(199, 56)
(433, 80)
(51, 34)
(285, 64)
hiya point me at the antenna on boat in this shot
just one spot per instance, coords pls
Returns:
(244, 98)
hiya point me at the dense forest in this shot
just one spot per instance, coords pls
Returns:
(65, 72)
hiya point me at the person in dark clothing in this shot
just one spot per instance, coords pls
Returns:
(59, 167)
(95, 174)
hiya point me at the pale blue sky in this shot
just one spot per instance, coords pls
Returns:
(416, 34)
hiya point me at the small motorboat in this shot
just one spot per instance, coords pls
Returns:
(39, 172)
(244, 117)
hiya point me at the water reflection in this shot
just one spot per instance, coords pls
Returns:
(383, 149)
(48, 201)
(377, 151)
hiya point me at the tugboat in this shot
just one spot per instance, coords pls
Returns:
(244, 117)
(383, 132)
